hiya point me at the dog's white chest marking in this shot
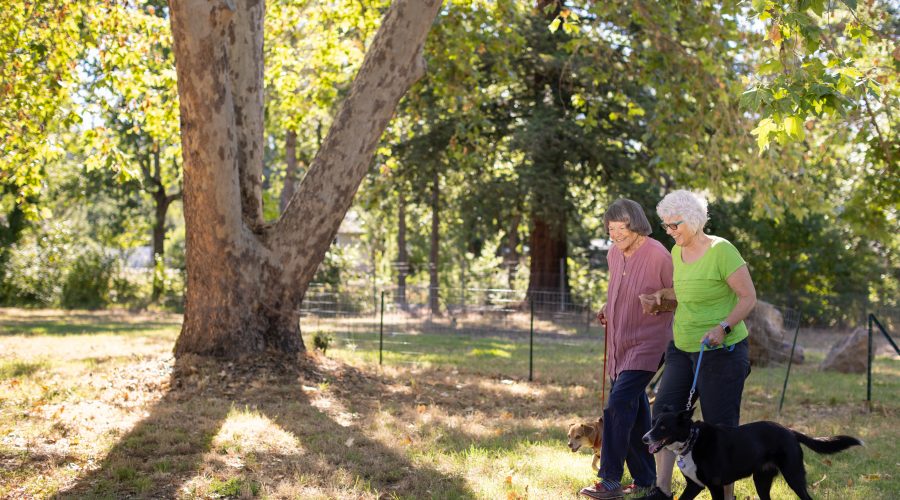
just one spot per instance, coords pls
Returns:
(688, 467)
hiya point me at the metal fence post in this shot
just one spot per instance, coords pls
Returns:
(869, 368)
(790, 362)
(381, 330)
(531, 344)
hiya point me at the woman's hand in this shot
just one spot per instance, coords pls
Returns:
(650, 302)
(662, 300)
(601, 316)
(714, 337)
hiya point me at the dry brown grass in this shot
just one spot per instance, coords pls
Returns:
(93, 405)
(99, 412)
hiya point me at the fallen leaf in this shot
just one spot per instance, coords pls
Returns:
(871, 477)
(421, 409)
(509, 480)
(815, 484)
(349, 442)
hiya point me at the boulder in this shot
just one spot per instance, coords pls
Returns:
(849, 355)
(769, 342)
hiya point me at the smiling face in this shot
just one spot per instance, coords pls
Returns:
(623, 237)
(682, 234)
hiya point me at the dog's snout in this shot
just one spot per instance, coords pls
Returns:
(646, 439)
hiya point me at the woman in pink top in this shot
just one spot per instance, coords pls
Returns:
(636, 342)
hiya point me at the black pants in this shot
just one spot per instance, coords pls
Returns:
(720, 384)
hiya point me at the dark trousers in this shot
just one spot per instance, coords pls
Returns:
(626, 419)
(720, 383)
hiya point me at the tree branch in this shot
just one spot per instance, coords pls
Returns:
(392, 64)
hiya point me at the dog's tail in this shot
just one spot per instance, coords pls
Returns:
(828, 445)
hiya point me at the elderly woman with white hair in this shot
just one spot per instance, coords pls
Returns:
(714, 294)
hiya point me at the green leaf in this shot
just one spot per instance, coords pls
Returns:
(773, 65)
(793, 125)
(874, 87)
(753, 98)
(851, 4)
(766, 126)
(635, 110)
(555, 25)
(850, 72)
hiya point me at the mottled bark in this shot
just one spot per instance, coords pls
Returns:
(244, 281)
(245, 71)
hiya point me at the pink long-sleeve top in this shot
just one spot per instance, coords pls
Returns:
(636, 341)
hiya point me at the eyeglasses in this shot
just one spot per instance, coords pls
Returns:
(673, 226)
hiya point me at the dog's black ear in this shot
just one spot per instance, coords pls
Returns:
(667, 409)
(686, 414)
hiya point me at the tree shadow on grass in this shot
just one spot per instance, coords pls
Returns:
(163, 453)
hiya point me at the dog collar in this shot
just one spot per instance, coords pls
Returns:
(692, 439)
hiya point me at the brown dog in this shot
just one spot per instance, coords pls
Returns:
(587, 434)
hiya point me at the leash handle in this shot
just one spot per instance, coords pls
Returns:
(703, 347)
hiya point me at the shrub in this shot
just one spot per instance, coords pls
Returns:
(87, 284)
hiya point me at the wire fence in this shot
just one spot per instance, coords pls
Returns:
(513, 335)
(503, 333)
(497, 332)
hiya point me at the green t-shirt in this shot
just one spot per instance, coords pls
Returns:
(704, 297)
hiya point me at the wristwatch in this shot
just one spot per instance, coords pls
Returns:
(725, 327)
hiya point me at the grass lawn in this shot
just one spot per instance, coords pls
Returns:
(92, 405)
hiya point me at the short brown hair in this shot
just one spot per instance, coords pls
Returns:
(629, 212)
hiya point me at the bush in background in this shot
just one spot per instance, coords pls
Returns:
(87, 282)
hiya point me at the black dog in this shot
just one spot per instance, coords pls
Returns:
(713, 456)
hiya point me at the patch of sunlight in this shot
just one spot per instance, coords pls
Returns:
(246, 430)
(512, 388)
(74, 347)
(490, 353)
(500, 473)
(540, 470)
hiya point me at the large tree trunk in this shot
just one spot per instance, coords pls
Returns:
(548, 280)
(434, 286)
(245, 281)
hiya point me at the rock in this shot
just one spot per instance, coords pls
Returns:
(849, 355)
(769, 342)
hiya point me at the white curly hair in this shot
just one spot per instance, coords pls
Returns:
(685, 204)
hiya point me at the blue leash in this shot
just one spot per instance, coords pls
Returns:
(703, 347)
